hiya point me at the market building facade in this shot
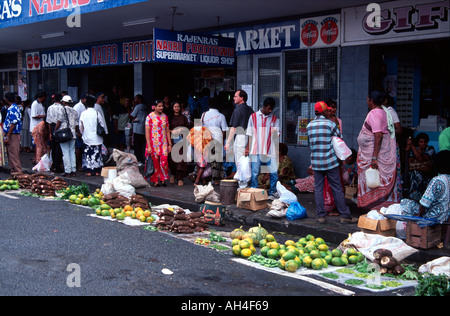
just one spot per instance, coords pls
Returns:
(340, 53)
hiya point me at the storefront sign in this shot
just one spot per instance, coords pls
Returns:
(267, 38)
(20, 12)
(199, 49)
(111, 54)
(320, 32)
(397, 21)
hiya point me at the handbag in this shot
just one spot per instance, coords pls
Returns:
(149, 168)
(351, 189)
(100, 129)
(63, 135)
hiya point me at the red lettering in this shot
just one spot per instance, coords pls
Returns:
(36, 5)
(49, 5)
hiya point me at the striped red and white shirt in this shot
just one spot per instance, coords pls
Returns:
(264, 130)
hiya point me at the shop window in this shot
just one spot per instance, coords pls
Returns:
(9, 81)
(269, 81)
(309, 76)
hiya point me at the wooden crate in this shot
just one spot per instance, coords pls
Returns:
(425, 238)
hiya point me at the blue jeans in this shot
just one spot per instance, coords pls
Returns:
(272, 168)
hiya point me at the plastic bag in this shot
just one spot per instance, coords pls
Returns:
(44, 164)
(122, 185)
(244, 169)
(296, 211)
(108, 187)
(286, 196)
(400, 227)
(341, 149)
(204, 193)
(278, 209)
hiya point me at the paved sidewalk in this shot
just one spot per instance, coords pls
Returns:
(332, 230)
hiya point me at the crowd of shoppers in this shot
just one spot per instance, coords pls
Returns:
(154, 130)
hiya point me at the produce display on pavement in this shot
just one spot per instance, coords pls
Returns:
(308, 255)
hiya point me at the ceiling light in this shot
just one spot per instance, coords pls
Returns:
(139, 22)
(53, 35)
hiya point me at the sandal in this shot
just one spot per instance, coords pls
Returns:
(155, 184)
(89, 174)
(163, 183)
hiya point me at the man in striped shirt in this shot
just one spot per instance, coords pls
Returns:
(325, 163)
(263, 128)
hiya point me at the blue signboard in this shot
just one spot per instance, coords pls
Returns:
(21, 12)
(111, 54)
(265, 38)
(190, 48)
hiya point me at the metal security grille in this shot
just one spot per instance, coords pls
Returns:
(50, 80)
(405, 88)
(269, 76)
(309, 76)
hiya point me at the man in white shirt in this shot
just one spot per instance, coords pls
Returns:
(263, 129)
(37, 114)
(217, 124)
(80, 107)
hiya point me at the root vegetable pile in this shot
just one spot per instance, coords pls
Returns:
(180, 222)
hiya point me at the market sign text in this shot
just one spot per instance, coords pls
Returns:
(190, 48)
(22, 12)
(400, 19)
(98, 55)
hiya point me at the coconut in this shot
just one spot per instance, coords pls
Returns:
(380, 253)
(388, 262)
(398, 270)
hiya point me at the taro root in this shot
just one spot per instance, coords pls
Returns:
(388, 262)
(398, 270)
(383, 270)
(380, 253)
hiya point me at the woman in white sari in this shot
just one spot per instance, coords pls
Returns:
(377, 150)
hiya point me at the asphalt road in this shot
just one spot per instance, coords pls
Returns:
(54, 248)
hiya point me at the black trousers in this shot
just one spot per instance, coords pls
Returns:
(139, 147)
(57, 165)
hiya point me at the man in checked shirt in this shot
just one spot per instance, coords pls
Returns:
(325, 163)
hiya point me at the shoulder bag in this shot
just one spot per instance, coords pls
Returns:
(63, 135)
(100, 129)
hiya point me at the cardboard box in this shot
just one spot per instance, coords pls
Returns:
(252, 199)
(105, 171)
(384, 227)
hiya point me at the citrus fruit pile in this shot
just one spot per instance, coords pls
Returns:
(308, 251)
(90, 200)
(6, 185)
(121, 213)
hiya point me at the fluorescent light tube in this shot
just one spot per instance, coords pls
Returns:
(53, 35)
(139, 22)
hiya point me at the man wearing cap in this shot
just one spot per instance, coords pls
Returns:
(67, 117)
(52, 119)
(325, 163)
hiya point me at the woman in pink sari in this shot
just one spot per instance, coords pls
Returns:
(377, 149)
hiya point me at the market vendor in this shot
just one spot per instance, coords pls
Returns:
(435, 203)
